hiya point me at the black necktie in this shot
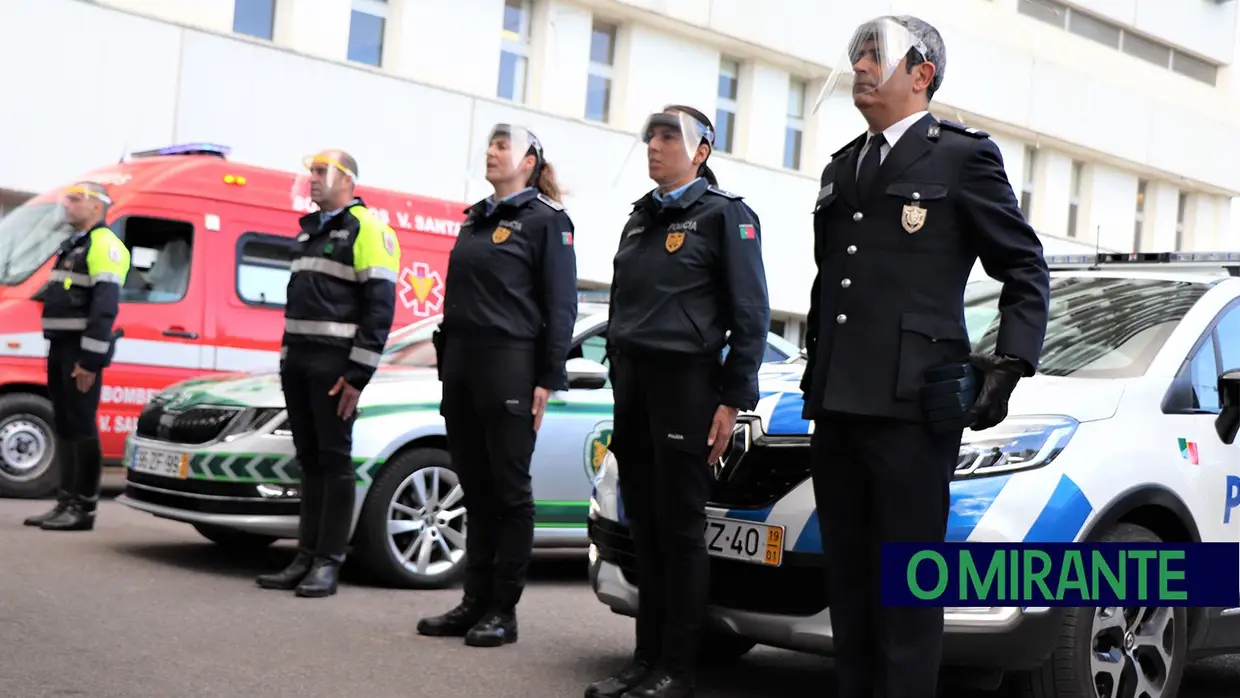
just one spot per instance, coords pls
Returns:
(869, 165)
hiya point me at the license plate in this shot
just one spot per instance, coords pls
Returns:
(745, 541)
(159, 462)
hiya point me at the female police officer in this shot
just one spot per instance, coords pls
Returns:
(511, 303)
(688, 280)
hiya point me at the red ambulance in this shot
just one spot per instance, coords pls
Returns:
(210, 242)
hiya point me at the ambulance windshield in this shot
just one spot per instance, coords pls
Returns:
(29, 235)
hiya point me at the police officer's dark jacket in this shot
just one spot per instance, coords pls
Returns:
(688, 278)
(81, 298)
(887, 301)
(512, 277)
(342, 293)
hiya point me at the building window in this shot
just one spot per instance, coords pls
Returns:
(514, 57)
(255, 18)
(794, 133)
(1180, 212)
(1118, 37)
(1146, 50)
(366, 28)
(1194, 68)
(1026, 187)
(1139, 226)
(602, 70)
(725, 108)
(1074, 198)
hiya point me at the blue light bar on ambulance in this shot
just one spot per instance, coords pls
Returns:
(1197, 259)
(186, 149)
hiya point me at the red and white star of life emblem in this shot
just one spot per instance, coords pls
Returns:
(421, 289)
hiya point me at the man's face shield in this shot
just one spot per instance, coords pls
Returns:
(81, 204)
(325, 177)
(877, 49)
(507, 147)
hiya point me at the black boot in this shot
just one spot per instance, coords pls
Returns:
(74, 518)
(494, 630)
(66, 457)
(322, 579)
(454, 623)
(626, 679)
(662, 685)
(289, 577)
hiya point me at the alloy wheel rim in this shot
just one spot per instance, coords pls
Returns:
(1131, 651)
(25, 448)
(426, 522)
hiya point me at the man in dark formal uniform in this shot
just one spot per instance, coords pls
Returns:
(904, 212)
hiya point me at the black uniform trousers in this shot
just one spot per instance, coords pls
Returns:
(664, 406)
(488, 392)
(880, 480)
(324, 446)
(75, 415)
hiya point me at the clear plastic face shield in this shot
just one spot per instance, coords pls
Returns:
(325, 177)
(509, 151)
(80, 204)
(671, 140)
(877, 49)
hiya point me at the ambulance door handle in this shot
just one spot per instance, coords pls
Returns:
(175, 331)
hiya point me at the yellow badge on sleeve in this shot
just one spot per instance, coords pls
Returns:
(500, 235)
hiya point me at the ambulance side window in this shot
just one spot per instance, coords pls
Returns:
(160, 258)
(263, 269)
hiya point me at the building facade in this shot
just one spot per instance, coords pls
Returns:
(1117, 119)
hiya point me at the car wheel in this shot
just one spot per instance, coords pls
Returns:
(27, 447)
(1117, 651)
(721, 648)
(411, 533)
(233, 539)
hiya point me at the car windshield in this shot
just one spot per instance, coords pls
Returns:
(29, 235)
(1098, 327)
(411, 346)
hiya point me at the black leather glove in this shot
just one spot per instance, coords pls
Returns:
(1001, 375)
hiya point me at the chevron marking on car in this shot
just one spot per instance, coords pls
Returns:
(279, 469)
(226, 466)
(251, 469)
(786, 417)
(1064, 515)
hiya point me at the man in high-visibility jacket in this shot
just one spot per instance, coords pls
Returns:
(80, 303)
(340, 302)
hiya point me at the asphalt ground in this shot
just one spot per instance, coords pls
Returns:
(145, 608)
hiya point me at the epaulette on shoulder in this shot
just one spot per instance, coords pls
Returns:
(966, 130)
(550, 202)
(723, 192)
(843, 150)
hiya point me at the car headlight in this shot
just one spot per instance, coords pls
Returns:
(1017, 443)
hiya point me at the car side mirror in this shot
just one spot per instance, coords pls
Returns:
(584, 374)
(1227, 423)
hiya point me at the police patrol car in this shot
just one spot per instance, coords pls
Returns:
(1113, 440)
(216, 453)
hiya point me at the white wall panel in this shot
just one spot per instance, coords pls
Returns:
(319, 28)
(561, 62)
(85, 100)
(1200, 26)
(450, 44)
(405, 136)
(760, 138)
(1112, 196)
(1161, 204)
(208, 14)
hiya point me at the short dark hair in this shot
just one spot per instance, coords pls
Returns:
(703, 169)
(936, 52)
(349, 162)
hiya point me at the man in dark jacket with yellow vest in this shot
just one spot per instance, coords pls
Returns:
(80, 303)
(341, 300)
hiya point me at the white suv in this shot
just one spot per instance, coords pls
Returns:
(1113, 440)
